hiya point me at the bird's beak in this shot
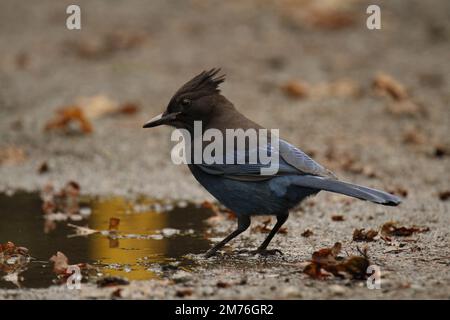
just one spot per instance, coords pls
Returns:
(160, 119)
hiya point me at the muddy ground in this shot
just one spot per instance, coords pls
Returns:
(364, 137)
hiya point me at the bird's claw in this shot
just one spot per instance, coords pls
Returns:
(210, 253)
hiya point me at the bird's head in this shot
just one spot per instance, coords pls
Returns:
(194, 101)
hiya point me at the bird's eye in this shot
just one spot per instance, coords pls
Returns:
(185, 102)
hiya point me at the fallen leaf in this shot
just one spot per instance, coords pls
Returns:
(113, 224)
(65, 201)
(13, 261)
(385, 84)
(128, 108)
(112, 281)
(444, 195)
(60, 263)
(362, 235)
(399, 191)
(43, 168)
(328, 254)
(295, 89)
(326, 261)
(441, 151)
(223, 285)
(307, 233)
(392, 229)
(337, 218)
(67, 115)
(330, 19)
(181, 293)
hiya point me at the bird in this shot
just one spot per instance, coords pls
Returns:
(240, 186)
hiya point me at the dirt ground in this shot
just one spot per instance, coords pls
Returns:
(397, 142)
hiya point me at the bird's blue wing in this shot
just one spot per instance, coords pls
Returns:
(291, 161)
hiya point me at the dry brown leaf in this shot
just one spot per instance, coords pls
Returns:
(392, 229)
(362, 235)
(307, 233)
(444, 195)
(65, 201)
(185, 292)
(337, 218)
(128, 108)
(43, 168)
(330, 19)
(441, 151)
(112, 281)
(295, 89)
(385, 84)
(326, 261)
(85, 110)
(60, 263)
(67, 115)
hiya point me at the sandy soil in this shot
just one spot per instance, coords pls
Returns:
(260, 46)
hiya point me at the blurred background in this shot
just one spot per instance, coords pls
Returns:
(372, 105)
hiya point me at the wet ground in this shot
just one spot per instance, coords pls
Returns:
(151, 238)
(376, 140)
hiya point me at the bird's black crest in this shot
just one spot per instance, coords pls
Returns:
(206, 82)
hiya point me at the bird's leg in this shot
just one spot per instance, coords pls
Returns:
(243, 224)
(262, 249)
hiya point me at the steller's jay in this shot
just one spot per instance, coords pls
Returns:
(240, 186)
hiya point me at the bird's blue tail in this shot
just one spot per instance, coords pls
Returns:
(348, 189)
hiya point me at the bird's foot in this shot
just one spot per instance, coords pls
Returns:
(266, 252)
(210, 253)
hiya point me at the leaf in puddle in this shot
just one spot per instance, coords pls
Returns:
(392, 229)
(62, 204)
(362, 235)
(113, 224)
(60, 263)
(13, 261)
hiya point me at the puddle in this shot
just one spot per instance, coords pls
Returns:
(139, 251)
